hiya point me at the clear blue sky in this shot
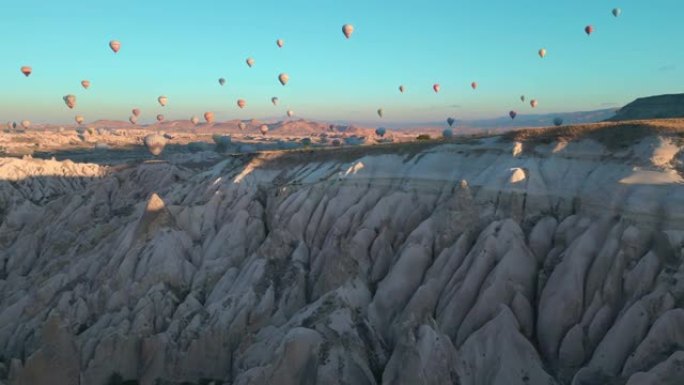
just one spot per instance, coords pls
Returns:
(181, 48)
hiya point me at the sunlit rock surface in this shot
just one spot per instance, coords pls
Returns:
(485, 261)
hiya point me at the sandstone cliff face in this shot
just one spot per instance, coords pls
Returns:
(486, 262)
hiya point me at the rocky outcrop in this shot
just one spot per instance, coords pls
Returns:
(484, 262)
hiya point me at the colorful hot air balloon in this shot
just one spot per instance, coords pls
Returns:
(589, 29)
(450, 121)
(136, 111)
(512, 114)
(283, 78)
(162, 100)
(274, 100)
(542, 53)
(473, 85)
(533, 103)
(242, 125)
(26, 124)
(250, 61)
(280, 43)
(241, 103)
(380, 131)
(401, 89)
(79, 119)
(435, 87)
(115, 45)
(209, 117)
(26, 70)
(290, 113)
(133, 119)
(617, 12)
(85, 83)
(160, 118)
(263, 129)
(222, 81)
(347, 30)
(155, 144)
(558, 122)
(70, 100)
(194, 120)
(380, 112)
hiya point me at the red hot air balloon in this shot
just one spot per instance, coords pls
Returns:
(589, 29)
(26, 70)
(115, 45)
(347, 30)
(512, 114)
(435, 87)
(85, 83)
(241, 103)
(474, 85)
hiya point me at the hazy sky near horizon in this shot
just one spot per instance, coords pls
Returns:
(180, 48)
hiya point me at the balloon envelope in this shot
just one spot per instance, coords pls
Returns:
(241, 103)
(380, 112)
(447, 133)
(522, 98)
(79, 119)
(589, 29)
(70, 100)
(450, 121)
(380, 131)
(617, 12)
(194, 120)
(136, 111)
(435, 87)
(401, 89)
(533, 103)
(222, 81)
(290, 113)
(209, 117)
(558, 121)
(26, 70)
(115, 45)
(283, 78)
(85, 83)
(263, 129)
(155, 144)
(542, 53)
(512, 114)
(473, 85)
(160, 118)
(162, 100)
(250, 61)
(347, 30)
(26, 123)
(280, 43)
(274, 100)
(242, 125)
(133, 119)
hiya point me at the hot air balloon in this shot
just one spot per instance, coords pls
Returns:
(241, 103)
(473, 85)
(263, 129)
(85, 83)
(380, 131)
(542, 53)
(290, 113)
(512, 114)
(589, 29)
(222, 81)
(558, 121)
(26, 124)
(533, 103)
(194, 120)
(401, 89)
(209, 117)
(70, 100)
(160, 118)
(242, 125)
(133, 119)
(274, 100)
(115, 45)
(79, 119)
(380, 112)
(617, 12)
(522, 98)
(280, 43)
(347, 30)
(26, 70)
(283, 78)
(14, 124)
(250, 61)
(155, 144)
(136, 112)
(435, 87)
(162, 100)
(447, 133)
(450, 121)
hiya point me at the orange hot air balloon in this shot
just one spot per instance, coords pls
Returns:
(79, 119)
(283, 78)
(401, 89)
(589, 29)
(533, 103)
(263, 129)
(162, 100)
(160, 118)
(250, 61)
(115, 45)
(194, 120)
(209, 117)
(136, 112)
(26, 70)
(241, 103)
(435, 87)
(70, 100)
(542, 53)
(26, 124)
(280, 43)
(133, 119)
(347, 30)
(474, 85)
(85, 83)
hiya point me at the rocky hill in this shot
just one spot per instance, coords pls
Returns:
(538, 257)
(652, 107)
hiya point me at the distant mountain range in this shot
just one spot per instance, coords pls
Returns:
(652, 107)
